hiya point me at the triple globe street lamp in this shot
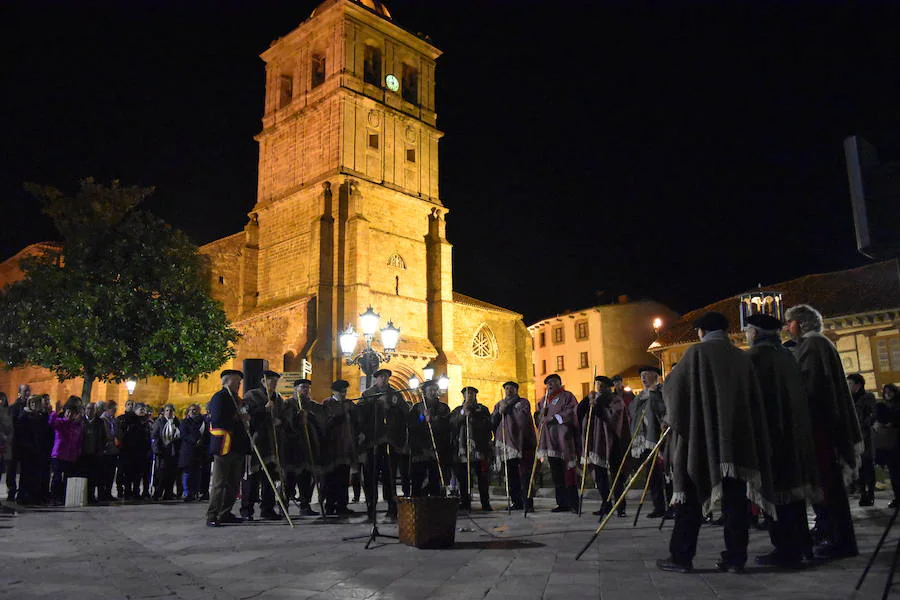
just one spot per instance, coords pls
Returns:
(369, 359)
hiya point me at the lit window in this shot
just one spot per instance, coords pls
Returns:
(484, 345)
(560, 363)
(581, 330)
(558, 335)
(583, 360)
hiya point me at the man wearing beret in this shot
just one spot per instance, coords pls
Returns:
(262, 405)
(300, 435)
(471, 429)
(835, 426)
(230, 445)
(601, 452)
(381, 435)
(795, 480)
(430, 416)
(719, 445)
(646, 432)
(514, 441)
(338, 448)
(619, 390)
(556, 414)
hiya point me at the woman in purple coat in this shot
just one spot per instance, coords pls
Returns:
(67, 432)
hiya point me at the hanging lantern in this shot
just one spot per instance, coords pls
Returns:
(761, 302)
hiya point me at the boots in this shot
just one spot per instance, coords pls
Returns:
(562, 502)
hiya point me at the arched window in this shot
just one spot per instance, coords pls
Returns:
(397, 261)
(484, 344)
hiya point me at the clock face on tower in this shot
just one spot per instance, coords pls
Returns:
(392, 82)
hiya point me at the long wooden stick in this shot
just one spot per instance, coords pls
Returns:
(537, 447)
(505, 463)
(437, 457)
(653, 456)
(262, 463)
(584, 448)
(612, 487)
(312, 459)
(622, 497)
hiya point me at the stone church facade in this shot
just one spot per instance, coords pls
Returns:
(348, 215)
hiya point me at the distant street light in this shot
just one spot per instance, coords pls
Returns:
(130, 385)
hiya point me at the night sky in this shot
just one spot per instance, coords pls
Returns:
(592, 148)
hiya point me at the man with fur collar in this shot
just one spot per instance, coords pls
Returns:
(835, 426)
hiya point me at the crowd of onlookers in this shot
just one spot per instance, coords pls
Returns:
(135, 455)
(880, 424)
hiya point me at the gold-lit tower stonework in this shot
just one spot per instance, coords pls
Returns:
(349, 212)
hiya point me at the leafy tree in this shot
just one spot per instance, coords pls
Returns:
(127, 295)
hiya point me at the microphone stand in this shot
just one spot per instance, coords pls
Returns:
(374, 533)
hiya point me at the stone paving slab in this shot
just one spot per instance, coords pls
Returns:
(165, 551)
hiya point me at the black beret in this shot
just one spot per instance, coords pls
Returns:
(603, 379)
(616, 378)
(301, 381)
(856, 378)
(227, 372)
(512, 383)
(712, 321)
(468, 387)
(381, 372)
(429, 383)
(552, 376)
(268, 373)
(340, 385)
(656, 370)
(764, 321)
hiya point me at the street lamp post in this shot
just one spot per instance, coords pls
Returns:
(369, 359)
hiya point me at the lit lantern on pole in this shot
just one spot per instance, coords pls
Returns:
(760, 302)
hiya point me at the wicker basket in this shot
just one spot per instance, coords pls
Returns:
(427, 522)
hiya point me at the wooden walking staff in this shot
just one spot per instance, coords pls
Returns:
(653, 456)
(584, 448)
(537, 447)
(312, 461)
(624, 493)
(437, 457)
(262, 463)
(277, 455)
(627, 454)
(505, 463)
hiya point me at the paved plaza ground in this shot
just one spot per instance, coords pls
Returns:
(166, 551)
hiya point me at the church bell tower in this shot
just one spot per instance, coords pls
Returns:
(348, 211)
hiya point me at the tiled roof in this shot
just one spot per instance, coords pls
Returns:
(864, 289)
(463, 299)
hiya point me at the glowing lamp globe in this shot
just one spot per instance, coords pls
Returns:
(443, 383)
(348, 339)
(657, 323)
(130, 385)
(368, 322)
(428, 372)
(390, 336)
(414, 382)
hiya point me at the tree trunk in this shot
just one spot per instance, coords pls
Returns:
(86, 388)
